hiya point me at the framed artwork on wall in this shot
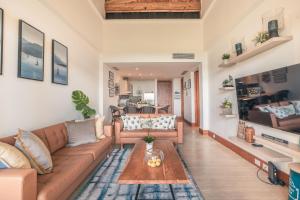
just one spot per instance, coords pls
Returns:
(111, 75)
(1, 40)
(111, 84)
(59, 63)
(111, 92)
(31, 52)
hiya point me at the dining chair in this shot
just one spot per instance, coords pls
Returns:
(164, 110)
(131, 109)
(115, 113)
(148, 109)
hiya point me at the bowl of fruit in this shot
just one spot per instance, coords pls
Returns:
(155, 158)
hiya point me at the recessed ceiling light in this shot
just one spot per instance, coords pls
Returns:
(140, 74)
(137, 68)
(151, 74)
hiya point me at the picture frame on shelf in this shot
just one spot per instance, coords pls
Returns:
(241, 129)
(1, 40)
(30, 52)
(59, 63)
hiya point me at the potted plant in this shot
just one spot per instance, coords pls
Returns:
(227, 107)
(225, 58)
(81, 102)
(149, 143)
(261, 38)
(228, 82)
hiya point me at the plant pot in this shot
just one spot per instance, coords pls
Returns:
(149, 147)
(227, 111)
(225, 61)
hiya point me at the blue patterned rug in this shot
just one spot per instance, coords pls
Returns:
(103, 184)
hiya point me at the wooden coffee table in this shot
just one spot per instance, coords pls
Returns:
(138, 172)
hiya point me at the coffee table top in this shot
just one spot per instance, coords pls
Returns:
(137, 171)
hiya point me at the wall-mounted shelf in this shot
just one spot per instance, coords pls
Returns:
(227, 88)
(228, 116)
(271, 43)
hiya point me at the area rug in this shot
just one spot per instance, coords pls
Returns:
(103, 184)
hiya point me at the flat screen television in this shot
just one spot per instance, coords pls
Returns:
(271, 98)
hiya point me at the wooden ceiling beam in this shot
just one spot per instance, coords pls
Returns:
(119, 6)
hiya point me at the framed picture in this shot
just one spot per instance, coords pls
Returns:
(31, 52)
(189, 84)
(111, 84)
(111, 75)
(241, 129)
(117, 89)
(1, 40)
(111, 92)
(59, 63)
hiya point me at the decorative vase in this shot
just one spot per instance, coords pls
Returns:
(227, 111)
(238, 48)
(155, 158)
(149, 147)
(225, 61)
(249, 134)
(273, 28)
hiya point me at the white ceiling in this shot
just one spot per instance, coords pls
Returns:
(161, 71)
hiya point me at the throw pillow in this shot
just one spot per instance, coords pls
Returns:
(162, 122)
(146, 123)
(172, 121)
(283, 111)
(131, 122)
(264, 108)
(100, 127)
(297, 106)
(35, 150)
(11, 157)
(81, 132)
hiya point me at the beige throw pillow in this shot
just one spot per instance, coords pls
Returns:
(81, 132)
(12, 157)
(35, 150)
(99, 127)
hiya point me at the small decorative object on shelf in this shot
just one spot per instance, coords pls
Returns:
(149, 143)
(241, 130)
(238, 48)
(228, 83)
(225, 58)
(249, 134)
(261, 38)
(273, 22)
(226, 107)
(155, 158)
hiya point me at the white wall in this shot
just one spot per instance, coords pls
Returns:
(151, 40)
(176, 82)
(286, 54)
(107, 100)
(32, 104)
(189, 96)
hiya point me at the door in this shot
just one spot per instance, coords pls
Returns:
(197, 99)
(164, 94)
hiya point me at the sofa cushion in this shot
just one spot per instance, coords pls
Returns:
(162, 122)
(82, 132)
(94, 149)
(35, 150)
(163, 133)
(283, 111)
(297, 106)
(66, 170)
(56, 136)
(134, 134)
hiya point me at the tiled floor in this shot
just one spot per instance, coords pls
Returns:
(223, 175)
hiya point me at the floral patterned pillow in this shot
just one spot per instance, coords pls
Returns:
(283, 111)
(297, 106)
(146, 123)
(131, 122)
(164, 122)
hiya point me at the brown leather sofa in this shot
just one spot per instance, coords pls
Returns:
(130, 137)
(72, 165)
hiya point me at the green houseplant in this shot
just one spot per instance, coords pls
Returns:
(226, 58)
(149, 143)
(228, 82)
(261, 38)
(81, 102)
(227, 107)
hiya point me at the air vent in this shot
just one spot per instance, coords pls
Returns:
(183, 56)
(183, 73)
(115, 68)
